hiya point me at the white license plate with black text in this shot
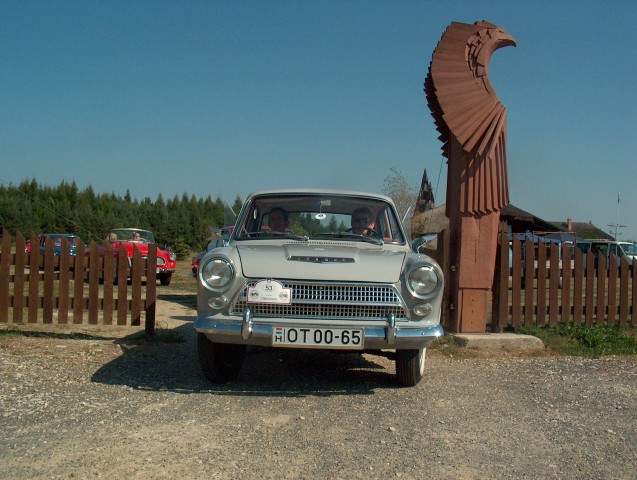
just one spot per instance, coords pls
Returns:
(351, 338)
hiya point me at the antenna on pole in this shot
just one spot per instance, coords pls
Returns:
(617, 226)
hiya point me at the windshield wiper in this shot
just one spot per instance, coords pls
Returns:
(275, 234)
(290, 235)
(353, 236)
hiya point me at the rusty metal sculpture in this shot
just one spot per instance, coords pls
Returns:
(472, 125)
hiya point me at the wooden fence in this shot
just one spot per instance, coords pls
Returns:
(553, 284)
(547, 284)
(42, 287)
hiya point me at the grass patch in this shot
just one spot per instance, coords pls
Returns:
(583, 340)
(451, 346)
(10, 333)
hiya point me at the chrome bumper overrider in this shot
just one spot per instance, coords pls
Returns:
(247, 331)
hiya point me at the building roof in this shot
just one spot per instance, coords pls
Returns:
(518, 220)
(430, 221)
(521, 221)
(582, 229)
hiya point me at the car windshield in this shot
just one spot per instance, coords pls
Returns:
(57, 240)
(130, 235)
(305, 217)
(630, 249)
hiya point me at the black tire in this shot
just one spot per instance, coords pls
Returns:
(165, 279)
(410, 366)
(220, 362)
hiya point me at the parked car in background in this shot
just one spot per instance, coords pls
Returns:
(218, 238)
(316, 279)
(27, 245)
(132, 238)
(621, 250)
(74, 241)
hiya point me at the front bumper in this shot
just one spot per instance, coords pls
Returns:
(248, 331)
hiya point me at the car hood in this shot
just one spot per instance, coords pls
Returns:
(349, 263)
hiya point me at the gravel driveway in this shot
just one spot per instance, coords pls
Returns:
(111, 407)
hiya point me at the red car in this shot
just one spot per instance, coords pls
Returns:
(135, 237)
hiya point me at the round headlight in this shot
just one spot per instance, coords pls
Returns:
(216, 273)
(423, 281)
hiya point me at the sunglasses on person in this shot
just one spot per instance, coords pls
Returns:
(360, 220)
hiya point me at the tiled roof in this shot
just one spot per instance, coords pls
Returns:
(583, 229)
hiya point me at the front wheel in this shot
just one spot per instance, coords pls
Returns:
(410, 366)
(165, 279)
(220, 362)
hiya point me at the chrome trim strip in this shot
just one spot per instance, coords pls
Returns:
(298, 258)
(375, 337)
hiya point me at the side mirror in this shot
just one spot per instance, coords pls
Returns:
(428, 240)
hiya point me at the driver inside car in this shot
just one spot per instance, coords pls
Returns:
(363, 222)
(278, 219)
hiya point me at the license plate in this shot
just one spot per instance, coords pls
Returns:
(351, 338)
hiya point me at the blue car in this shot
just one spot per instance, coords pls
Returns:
(74, 241)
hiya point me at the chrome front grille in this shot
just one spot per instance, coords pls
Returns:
(328, 301)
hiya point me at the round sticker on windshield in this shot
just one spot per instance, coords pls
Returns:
(320, 216)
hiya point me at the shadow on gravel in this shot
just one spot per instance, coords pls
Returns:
(148, 364)
(187, 300)
(65, 335)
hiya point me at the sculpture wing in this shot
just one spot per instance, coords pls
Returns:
(465, 107)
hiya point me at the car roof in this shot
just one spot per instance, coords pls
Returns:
(319, 191)
(131, 229)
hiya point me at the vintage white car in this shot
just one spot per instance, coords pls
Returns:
(319, 269)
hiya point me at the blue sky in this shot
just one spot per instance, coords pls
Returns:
(223, 98)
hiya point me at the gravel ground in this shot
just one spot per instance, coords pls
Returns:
(111, 407)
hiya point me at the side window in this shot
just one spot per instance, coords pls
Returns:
(603, 248)
(387, 226)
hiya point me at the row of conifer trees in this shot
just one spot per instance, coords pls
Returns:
(181, 222)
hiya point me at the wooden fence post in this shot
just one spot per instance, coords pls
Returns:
(18, 278)
(136, 287)
(151, 289)
(517, 273)
(79, 263)
(566, 283)
(5, 269)
(63, 292)
(122, 288)
(500, 289)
